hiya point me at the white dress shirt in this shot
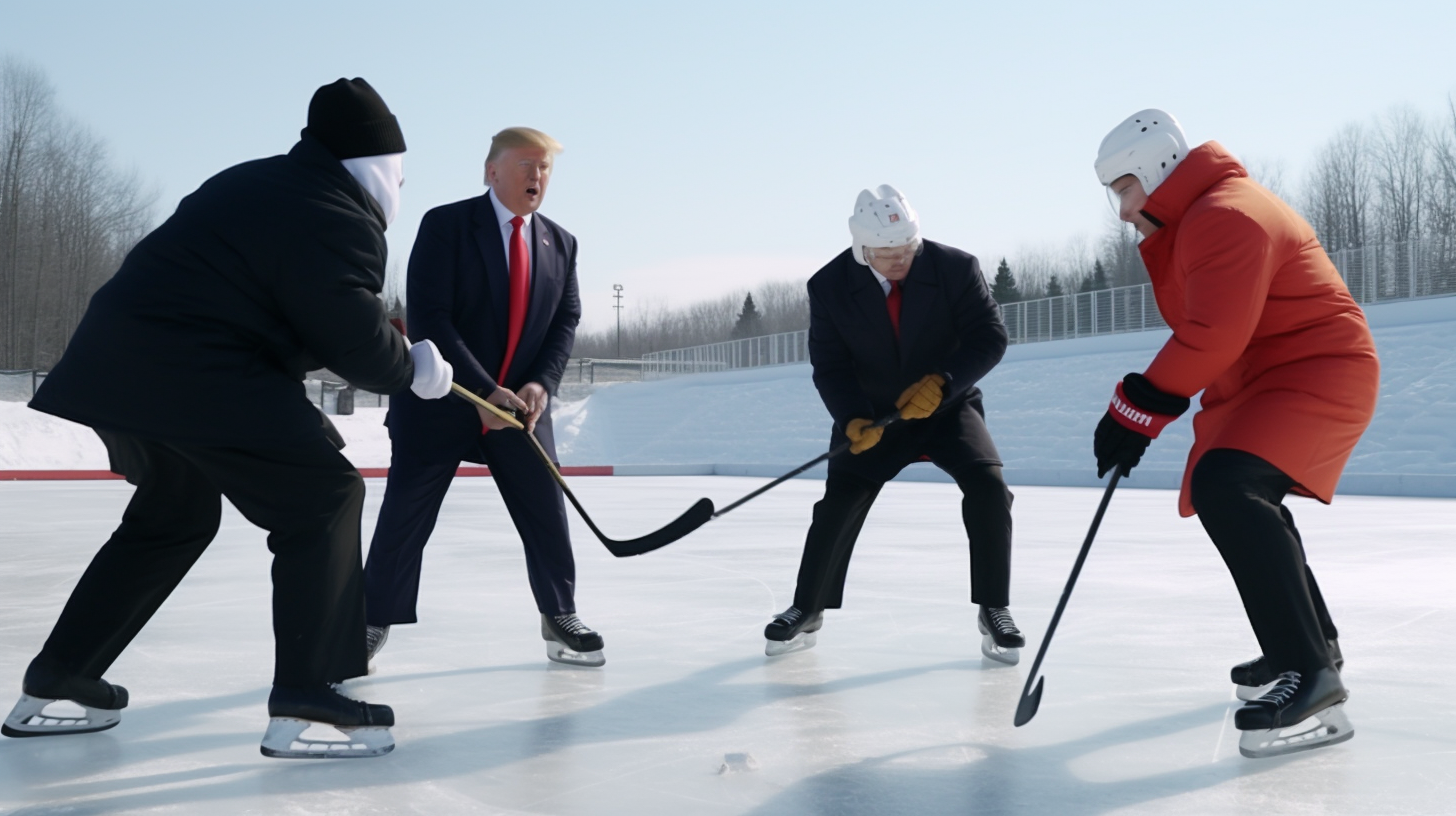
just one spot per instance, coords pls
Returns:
(504, 216)
(884, 281)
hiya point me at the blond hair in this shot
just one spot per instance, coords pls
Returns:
(521, 137)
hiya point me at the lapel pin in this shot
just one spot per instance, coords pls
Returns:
(546, 241)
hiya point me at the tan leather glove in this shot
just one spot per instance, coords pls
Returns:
(861, 436)
(921, 399)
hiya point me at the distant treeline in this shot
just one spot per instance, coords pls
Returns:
(67, 218)
(780, 306)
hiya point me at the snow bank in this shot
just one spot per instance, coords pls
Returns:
(1042, 403)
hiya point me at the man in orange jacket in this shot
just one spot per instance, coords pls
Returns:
(1265, 328)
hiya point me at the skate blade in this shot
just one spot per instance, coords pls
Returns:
(1251, 693)
(1328, 727)
(288, 738)
(559, 653)
(1010, 656)
(797, 643)
(29, 719)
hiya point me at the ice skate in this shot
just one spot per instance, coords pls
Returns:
(324, 724)
(374, 637)
(792, 631)
(1001, 641)
(1302, 711)
(1256, 677)
(55, 702)
(570, 641)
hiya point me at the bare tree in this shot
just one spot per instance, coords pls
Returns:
(66, 219)
(1337, 195)
(1401, 170)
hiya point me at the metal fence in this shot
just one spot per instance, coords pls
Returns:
(1404, 270)
(1106, 311)
(19, 385)
(591, 370)
(751, 352)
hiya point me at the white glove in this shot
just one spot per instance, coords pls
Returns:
(432, 373)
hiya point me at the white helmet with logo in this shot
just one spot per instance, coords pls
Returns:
(1148, 144)
(882, 219)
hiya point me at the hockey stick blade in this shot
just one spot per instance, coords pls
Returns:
(1030, 701)
(695, 517)
(1026, 709)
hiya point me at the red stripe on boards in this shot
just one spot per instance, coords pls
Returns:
(368, 473)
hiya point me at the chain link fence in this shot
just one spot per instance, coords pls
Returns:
(1403, 270)
(752, 352)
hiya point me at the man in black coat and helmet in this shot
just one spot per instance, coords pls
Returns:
(901, 325)
(189, 364)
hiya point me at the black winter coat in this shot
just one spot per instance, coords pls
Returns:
(949, 325)
(270, 269)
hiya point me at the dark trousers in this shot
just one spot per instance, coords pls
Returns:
(412, 499)
(1239, 498)
(848, 496)
(308, 498)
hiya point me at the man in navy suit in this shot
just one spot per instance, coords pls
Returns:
(493, 284)
(897, 323)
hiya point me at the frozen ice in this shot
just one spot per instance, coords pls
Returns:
(894, 711)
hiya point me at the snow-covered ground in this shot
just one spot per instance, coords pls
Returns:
(893, 712)
(1042, 403)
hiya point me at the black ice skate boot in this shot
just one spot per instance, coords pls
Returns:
(791, 631)
(1257, 676)
(321, 723)
(1272, 723)
(570, 641)
(374, 637)
(47, 682)
(1001, 640)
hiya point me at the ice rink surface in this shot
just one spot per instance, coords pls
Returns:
(893, 712)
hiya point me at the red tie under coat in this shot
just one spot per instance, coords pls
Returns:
(892, 302)
(520, 260)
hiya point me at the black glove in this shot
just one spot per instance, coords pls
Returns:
(1136, 416)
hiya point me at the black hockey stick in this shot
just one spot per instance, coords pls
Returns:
(1031, 697)
(695, 517)
(833, 452)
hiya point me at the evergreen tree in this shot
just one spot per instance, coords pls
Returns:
(750, 320)
(1054, 287)
(1095, 281)
(1003, 288)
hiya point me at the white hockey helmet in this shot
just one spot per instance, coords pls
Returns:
(1148, 144)
(882, 218)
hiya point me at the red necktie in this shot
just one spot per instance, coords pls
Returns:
(520, 293)
(520, 260)
(892, 302)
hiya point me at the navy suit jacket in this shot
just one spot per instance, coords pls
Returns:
(458, 296)
(949, 325)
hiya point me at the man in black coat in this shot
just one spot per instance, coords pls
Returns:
(493, 283)
(189, 364)
(899, 324)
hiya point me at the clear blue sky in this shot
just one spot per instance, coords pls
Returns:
(710, 147)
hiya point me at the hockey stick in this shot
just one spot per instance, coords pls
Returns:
(1031, 697)
(695, 517)
(833, 452)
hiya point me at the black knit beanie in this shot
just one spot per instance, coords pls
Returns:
(351, 120)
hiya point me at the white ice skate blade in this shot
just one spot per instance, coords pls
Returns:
(288, 738)
(30, 718)
(559, 653)
(797, 643)
(1325, 728)
(1251, 693)
(1000, 654)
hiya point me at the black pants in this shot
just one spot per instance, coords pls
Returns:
(308, 498)
(412, 499)
(839, 516)
(1239, 499)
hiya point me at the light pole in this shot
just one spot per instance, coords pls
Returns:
(617, 288)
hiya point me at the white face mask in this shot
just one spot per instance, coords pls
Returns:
(381, 176)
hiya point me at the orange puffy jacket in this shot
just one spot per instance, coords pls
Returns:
(1262, 324)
